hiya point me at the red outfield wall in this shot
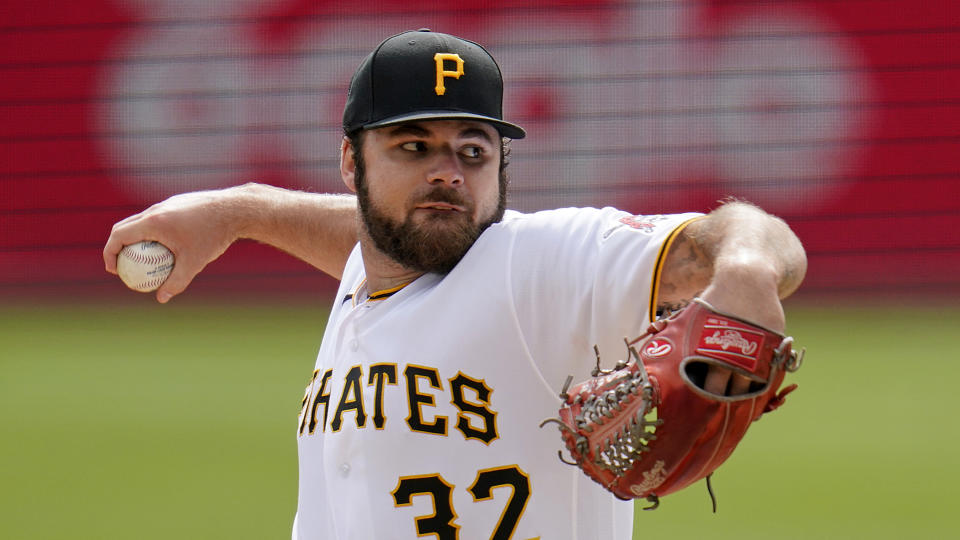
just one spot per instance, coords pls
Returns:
(842, 116)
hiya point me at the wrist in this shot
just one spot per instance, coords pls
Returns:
(747, 287)
(748, 266)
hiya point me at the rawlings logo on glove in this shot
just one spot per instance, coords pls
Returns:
(648, 427)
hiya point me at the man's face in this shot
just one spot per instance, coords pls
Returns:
(427, 190)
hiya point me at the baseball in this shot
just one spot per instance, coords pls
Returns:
(145, 265)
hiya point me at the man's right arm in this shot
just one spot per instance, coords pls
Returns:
(198, 227)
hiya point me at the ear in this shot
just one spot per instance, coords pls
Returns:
(348, 167)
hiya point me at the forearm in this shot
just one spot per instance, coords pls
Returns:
(320, 229)
(741, 257)
(756, 261)
(199, 226)
(741, 237)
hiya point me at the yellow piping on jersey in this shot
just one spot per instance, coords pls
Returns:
(386, 293)
(661, 259)
(379, 295)
(356, 293)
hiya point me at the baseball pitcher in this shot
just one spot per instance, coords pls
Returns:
(468, 345)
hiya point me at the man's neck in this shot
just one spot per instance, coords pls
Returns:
(383, 273)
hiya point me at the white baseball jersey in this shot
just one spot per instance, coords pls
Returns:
(421, 419)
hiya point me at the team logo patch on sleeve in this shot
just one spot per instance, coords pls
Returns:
(644, 224)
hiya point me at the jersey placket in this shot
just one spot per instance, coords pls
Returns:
(343, 448)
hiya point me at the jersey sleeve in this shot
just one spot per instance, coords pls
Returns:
(585, 277)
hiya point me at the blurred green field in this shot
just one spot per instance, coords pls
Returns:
(148, 421)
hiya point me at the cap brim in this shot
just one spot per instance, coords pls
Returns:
(506, 129)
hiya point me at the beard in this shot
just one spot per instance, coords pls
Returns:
(436, 244)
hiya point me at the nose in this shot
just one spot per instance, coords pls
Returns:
(446, 169)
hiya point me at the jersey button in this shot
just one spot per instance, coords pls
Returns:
(344, 469)
(354, 345)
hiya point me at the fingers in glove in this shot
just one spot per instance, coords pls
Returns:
(739, 385)
(724, 382)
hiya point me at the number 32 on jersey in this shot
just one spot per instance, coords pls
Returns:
(442, 522)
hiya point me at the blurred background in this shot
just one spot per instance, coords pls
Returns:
(120, 418)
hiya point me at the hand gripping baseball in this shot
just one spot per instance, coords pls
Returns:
(648, 427)
(194, 226)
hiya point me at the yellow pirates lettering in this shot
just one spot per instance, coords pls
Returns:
(425, 397)
(442, 73)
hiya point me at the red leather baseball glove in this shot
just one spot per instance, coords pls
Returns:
(648, 428)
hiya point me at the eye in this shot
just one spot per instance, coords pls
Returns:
(472, 152)
(414, 146)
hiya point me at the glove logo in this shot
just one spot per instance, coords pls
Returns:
(730, 339)
(651, 479)
(657, 348)
(730, 342)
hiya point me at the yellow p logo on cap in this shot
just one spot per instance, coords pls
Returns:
(442, 73)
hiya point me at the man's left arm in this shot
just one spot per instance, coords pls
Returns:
(698, 379)
(742, 261)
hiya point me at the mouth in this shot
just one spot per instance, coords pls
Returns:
(436, 206)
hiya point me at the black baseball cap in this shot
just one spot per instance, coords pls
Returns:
(424, 75)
